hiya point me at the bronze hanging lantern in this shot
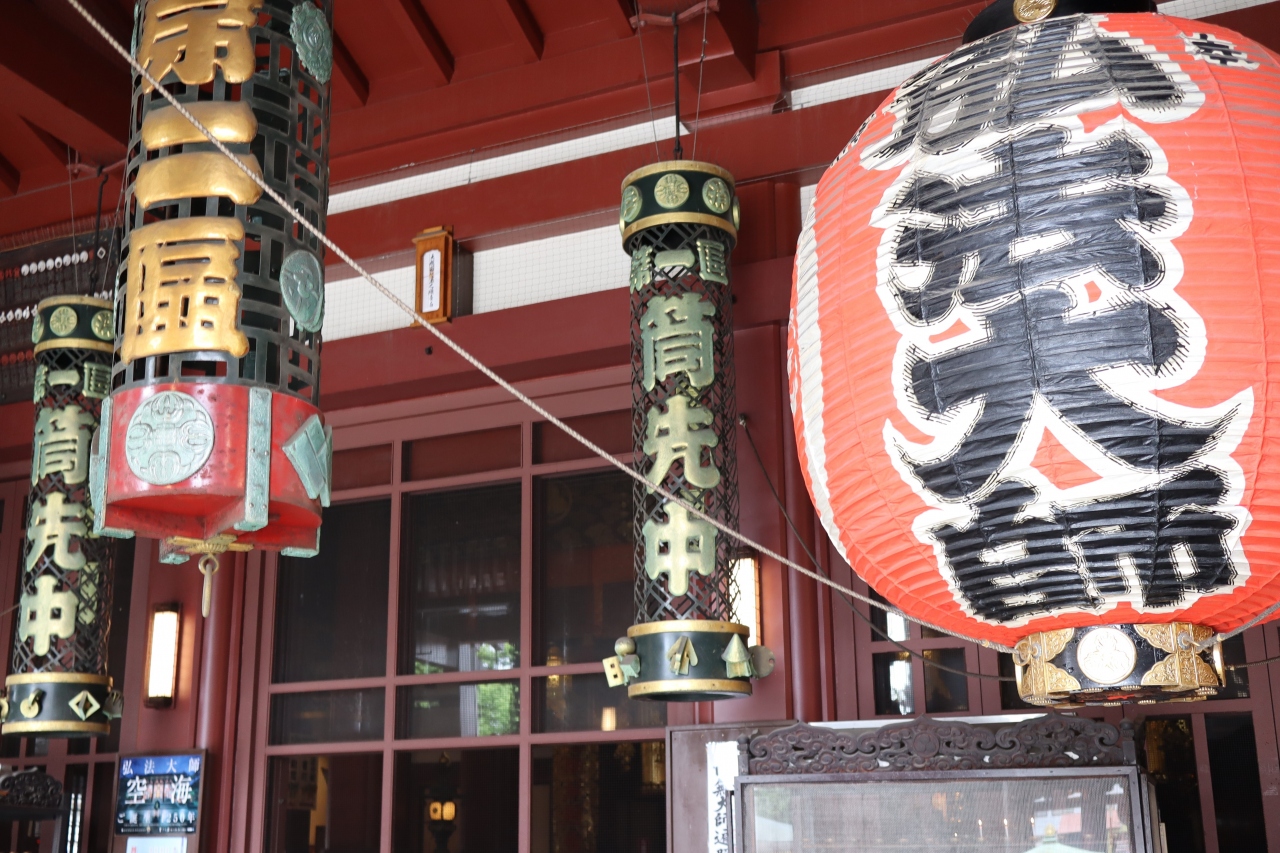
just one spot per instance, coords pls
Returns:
(679, 222)
(59, 686)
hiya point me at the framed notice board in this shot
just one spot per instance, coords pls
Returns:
(160, 796)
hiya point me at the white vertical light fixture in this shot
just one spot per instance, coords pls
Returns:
(163, 643)
(746, 609)
(608, 719)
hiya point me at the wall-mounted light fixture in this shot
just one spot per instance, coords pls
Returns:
(608, 719)
(746, 576)
(162, 655)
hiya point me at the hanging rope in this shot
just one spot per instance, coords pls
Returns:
(466, 355)
(742, 421)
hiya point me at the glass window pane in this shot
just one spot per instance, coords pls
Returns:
(331, 716)
(459, 710)
(599, 797)
(456, 800)
(331, 609)
(461, 582)
(611, 431)
(1237, 686)
(895, 693)
(888, 623)
(1169, 754)
(464, 453)
(945, 691)
(1237, 792)
(585, 550)
(361, 467)
(1010, 698)
(324, 802)
(574, 703)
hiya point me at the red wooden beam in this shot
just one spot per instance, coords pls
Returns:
(77, 81)
(429, 46)
(520, 23)
(618, 14)
(349, 72)
(9, 177)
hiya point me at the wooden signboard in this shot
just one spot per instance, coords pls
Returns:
(443, 280)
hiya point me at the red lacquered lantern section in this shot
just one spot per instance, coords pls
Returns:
(1031, 343)
(211, 439)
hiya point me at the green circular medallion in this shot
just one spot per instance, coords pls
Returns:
(671, 191)
(62, 321)
(716, 195)
(102, 325)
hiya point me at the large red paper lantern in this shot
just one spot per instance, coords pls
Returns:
(1036, 304)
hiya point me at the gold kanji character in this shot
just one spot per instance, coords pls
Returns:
(62, 444)
(181, 288)
(97, 380)
(46, 614)
(677, 337)
(711, 262)
(641, 267)
(54, 522)
(680, 433)
(678, 546)
(191, 37)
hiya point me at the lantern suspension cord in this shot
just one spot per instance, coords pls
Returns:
(742, 421)
(644, 65)
(678, 151)
(702, 58)
(465, 355)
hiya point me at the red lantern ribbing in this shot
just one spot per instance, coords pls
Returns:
(1031, 342)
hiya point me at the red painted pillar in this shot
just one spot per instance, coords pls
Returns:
(212, 697)
(805, 661)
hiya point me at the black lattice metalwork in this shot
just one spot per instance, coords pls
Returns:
(76, 264)
(85, 651)
(292, 110)
(708, 597)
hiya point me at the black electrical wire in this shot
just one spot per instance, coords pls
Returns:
(742, 421)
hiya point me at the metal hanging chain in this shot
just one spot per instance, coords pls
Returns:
(887, 608)
(462, 352)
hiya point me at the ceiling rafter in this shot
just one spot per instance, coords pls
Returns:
(349, 71)
(619, 14)
(523, 28)
(59, 150)
(9, 177)
(91, 89)
(428, 44)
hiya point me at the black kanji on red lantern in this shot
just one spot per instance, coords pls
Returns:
(1049, 248)
(1026, 74)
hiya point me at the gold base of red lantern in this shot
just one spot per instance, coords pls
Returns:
(209, 461)
(1117, 664)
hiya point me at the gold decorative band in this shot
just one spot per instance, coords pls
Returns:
(689, 685)
(74, 343)
(688, 626)
(58, 678)
(73, 300)
(720, 222)
(677, 166)
(228, 121)
(195, 174)
(54, 726)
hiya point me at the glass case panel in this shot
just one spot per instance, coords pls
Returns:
(995, 815)
(324, 803)
(460, 588)
(456, 800)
